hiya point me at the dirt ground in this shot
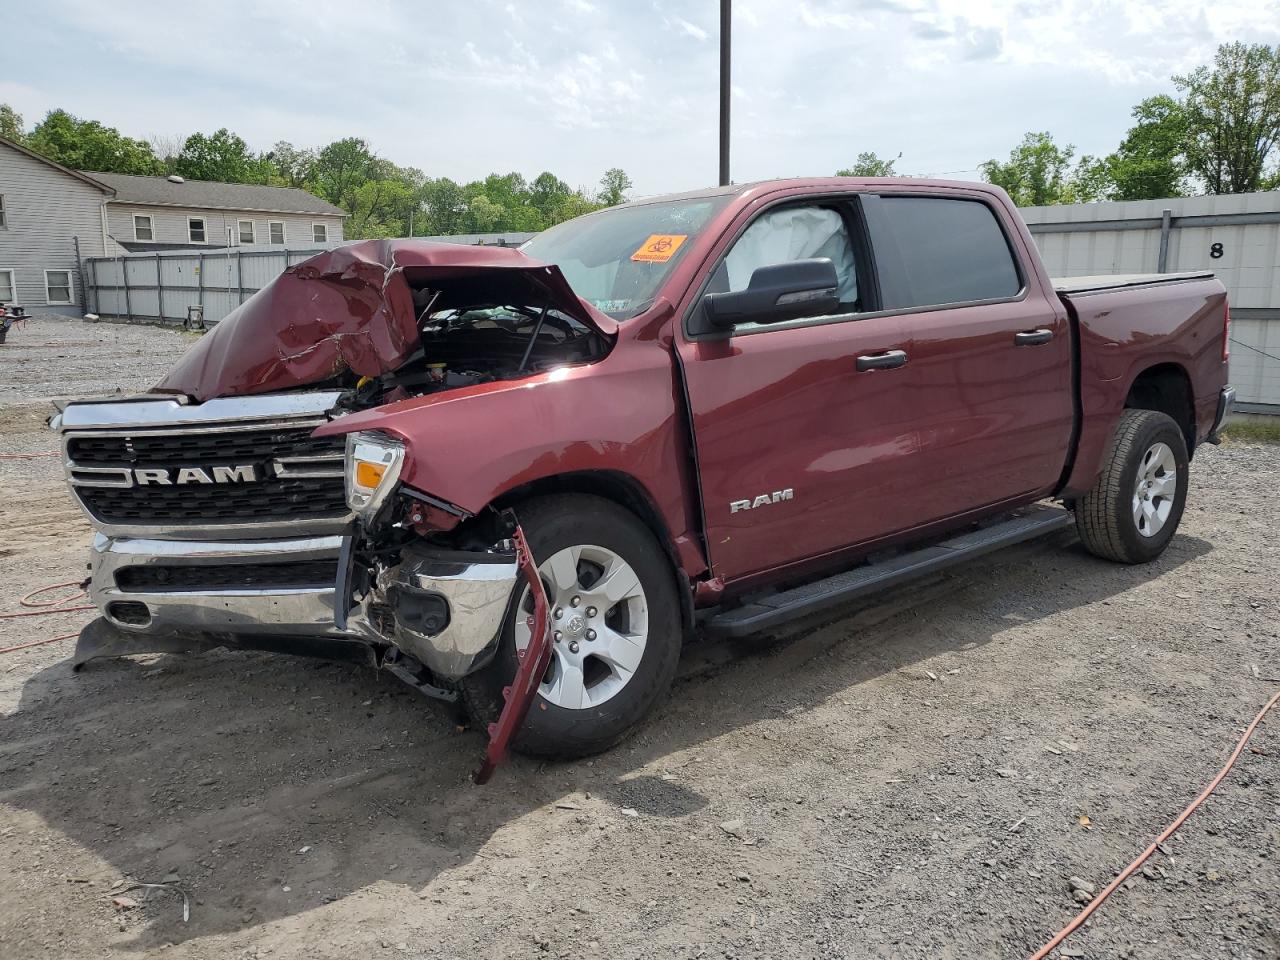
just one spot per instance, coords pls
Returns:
(909, 781)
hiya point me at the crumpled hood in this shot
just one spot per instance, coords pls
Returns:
(345, 309)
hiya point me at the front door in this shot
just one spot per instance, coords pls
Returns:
(799, 452)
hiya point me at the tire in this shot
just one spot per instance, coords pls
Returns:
(597, 527)
(1114, 519)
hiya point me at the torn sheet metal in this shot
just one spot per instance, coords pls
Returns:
(348, 309)
(534, 660)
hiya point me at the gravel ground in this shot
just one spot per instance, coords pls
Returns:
(919, 779)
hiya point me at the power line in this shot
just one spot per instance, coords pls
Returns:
(1269, 356)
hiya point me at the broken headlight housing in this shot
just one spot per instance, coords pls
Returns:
(373, 467)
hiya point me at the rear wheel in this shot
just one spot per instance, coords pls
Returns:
(1136, 503)
(615, 622)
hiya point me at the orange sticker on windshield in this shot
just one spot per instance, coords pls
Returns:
(660, 247)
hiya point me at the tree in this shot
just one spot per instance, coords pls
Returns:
(295, 166)
(343, 166)
(614, 186)
(870, 165)
(1149, 161)
(1232, 114)
(224, 157)
(1037, 172)
(88, 145)
(444, 204)
(166, 147)
(11, 124)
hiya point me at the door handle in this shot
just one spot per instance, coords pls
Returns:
(1032, 338)
(882, 361)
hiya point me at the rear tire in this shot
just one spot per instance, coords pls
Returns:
(1135, 505)
(613, 696)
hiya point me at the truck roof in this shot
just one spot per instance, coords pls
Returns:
(842, 183)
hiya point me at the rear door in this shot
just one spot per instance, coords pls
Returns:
(988, 386)
(799, 452)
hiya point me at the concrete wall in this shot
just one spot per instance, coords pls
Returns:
(1237, 237)
(44, 210)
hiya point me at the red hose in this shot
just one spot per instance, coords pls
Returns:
(39, 643)
(1169, 831)
(50, 607)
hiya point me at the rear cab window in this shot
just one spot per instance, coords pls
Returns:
(940, 251)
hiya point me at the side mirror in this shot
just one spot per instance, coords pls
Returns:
(777, 292)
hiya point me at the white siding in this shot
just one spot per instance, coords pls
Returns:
(44, 209)
(169, 225)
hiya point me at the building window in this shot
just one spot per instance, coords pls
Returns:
(142, 228)
(320, 232)
(8, 286)
(276, 229)
(3, 221)
(57, 286)
(195, 229)
(246, 231)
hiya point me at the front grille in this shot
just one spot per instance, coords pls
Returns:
(298, 477)
(272, 499)
(204, 447)
(252, 576)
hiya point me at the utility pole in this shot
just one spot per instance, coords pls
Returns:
(726, 36)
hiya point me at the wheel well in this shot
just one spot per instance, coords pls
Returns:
(1166, 388)
(623, 491)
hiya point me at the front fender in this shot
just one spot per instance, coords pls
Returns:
(622, 414)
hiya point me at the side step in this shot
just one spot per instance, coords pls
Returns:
(778, 608)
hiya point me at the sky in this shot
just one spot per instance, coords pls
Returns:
(463, 89)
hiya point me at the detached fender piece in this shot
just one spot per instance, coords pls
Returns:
(346, 309)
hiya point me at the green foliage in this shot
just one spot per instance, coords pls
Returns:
(1232, 115)
(613, 187)
(11, 124)
(294, 166)
(1149, 161)
(1037, 172)
(224, 157)
(88, 145)
(384, 200)
(870, 165)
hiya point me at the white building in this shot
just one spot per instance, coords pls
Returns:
(52, 219)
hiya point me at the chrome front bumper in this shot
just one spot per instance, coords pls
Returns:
(445, 608)
(303, 609)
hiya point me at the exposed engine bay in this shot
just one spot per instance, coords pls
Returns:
(477, 333)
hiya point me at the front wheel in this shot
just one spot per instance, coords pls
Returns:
(615, 621)
(1135, 505)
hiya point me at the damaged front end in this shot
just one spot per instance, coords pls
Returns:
(234, 508)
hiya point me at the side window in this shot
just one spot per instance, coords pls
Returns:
(791, 233)
(933, 251)
(195, 229)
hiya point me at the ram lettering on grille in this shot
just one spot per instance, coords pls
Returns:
(245, 473)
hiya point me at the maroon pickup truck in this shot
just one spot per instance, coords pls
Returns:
(714, 411)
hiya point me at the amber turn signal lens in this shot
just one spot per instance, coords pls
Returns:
(369, 475)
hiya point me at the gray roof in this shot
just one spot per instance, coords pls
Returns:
(210, 195)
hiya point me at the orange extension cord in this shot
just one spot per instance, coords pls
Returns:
(48, 608)
(1169, 831)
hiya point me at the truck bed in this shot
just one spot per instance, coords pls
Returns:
(1068, 286)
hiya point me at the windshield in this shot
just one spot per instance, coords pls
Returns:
(617, 259)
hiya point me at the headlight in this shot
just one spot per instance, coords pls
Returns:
(373, 467)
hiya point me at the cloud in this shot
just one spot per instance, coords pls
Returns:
(690, 29)
(483, 85)
(983, 43)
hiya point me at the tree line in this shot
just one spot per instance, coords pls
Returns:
(384, 199)
(1220, 134)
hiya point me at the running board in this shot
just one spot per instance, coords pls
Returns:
(779, 608)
